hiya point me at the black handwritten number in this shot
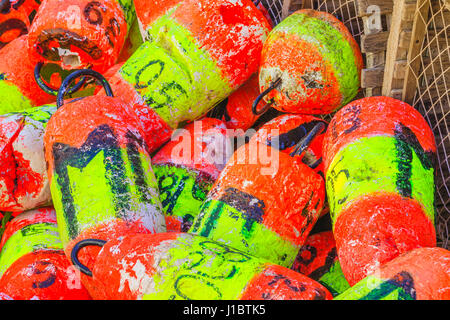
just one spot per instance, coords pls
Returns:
(46, 268)
(166, 188)
(332, 179)
(169, 90)
(112, 31)
(144, 69)
(351, 118)
(94, 7)
(12, 24)
(204, 279)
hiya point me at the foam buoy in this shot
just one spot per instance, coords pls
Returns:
(99, 170)
(180, 266)
(236, 110)
(379, 161)
(32, 261)
(186, 168)
(79, 34)
(318, 260)
(420, 274)
(310, 64)
(23, 174)
(262, 205)
(18, 89)
(197, 54)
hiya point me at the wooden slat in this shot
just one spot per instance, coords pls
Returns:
(371, 78)
(417, 38)
(375, 42)
(400, 69)
(392, 46)
(384, 5)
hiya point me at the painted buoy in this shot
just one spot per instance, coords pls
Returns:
(79, 34)
(318, 260)
(236, 110)
(198, 53)
(186, 168)
(32, 261)
(262, 205)
(18, 89)
(420, 274)
(15, 18)
(23, 174)
(379, 162)
(181, 266)
(99, 170)
(310, 64)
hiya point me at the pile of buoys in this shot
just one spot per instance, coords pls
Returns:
(139, 159)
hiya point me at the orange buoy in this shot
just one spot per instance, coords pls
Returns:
(214, 46)
(23, 173)
(180, 266)
(99, 169)
(79, 34)
(264, 203)
(33, 265)
(419, 274)
(236, 110)
(379, 161)
(18, 89)
(186, 168)
(310, 64)
(318, 260)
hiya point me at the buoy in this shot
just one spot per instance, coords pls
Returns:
(18, 89)
(310, 64)
(23, 174)
(99, 169)
(379, 161)
(197, 54)
(186, 168)
(16, 17)
(80, 34)
(264, 203)
(236, 110)
(419, 274)
(318, 260)
(32, 261)
(180, 266)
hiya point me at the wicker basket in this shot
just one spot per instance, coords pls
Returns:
(405, 44)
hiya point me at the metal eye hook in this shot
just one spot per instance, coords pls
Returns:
(304, 143)
(76, 249)
(261, 96)
(48, 89)
(79, 73)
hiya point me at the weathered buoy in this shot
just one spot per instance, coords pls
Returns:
(23, 173)
(419, 274)
(180, 266)
(264, 203)
(379, 162)
(80, 34)
(186, 168)
(310, 64)
(32, 261)
(99, 170)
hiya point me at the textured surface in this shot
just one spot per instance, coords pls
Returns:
(420, 274)
(183, 266)
(32, 261)
(80, 33)
(318, 61)
(268, 216)
(23, 174)
(379, 161)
